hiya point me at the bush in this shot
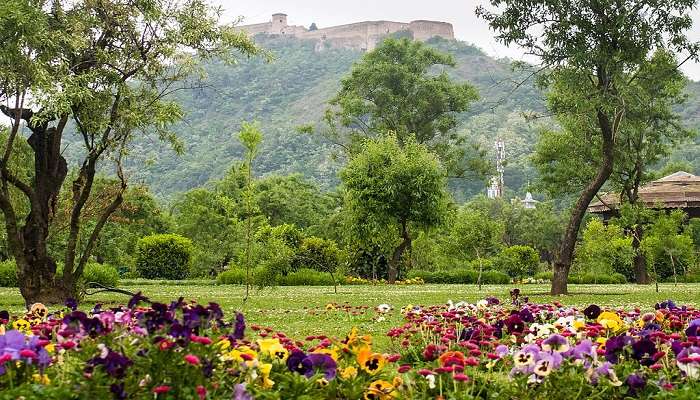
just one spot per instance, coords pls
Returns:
(460, 276)
(302, 277)
(318, 254)
(600, 279)
(164, 256)
(545, 276)
(519, 261)
(289, 234)
(306, 277)
(8, 274)
(103, 274)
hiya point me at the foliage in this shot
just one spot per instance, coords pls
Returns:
(165, 256)
(394, 188)
(669, 248)
(318, 254)
(8, 273)
(460, 276)
(104, 274)
(392, 89)
(518, 261)
(604, 250)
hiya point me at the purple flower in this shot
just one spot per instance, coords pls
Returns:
(297, 362)
(556, 343)
(643, 350)
(526, 315)
(239, 392)
(115, 364)
(635, 383)
(493, 301)
(693, 328)
(514, 324)
(118, 391)
(12, 342)
(669, 304)
(239, 329)
(502, 350)
(136, 299)
(4, 316)
(592, 311)
(322, 363)
(614, 346)
(71, 303)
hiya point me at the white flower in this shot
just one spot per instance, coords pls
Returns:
(383, 308)
(104, 351)
(431, 381)
(482, 304)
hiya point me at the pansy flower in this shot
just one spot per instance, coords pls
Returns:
(370, 362)
(273, 348)
(380, 390)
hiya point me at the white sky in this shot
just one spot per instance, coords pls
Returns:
(460, 13)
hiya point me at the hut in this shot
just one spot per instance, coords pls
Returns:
(679, 190)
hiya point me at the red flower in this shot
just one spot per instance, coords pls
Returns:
(460, 377)
(404, 368)
(161, 389)
(192, 359)
(26, 353)
(201, 392)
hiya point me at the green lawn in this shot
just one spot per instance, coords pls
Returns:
(300, 311)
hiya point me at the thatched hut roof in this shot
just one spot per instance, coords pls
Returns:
(679, 190)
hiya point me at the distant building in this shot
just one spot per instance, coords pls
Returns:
(495, 189)
(528, 202)
(679, 190)
(359, 36)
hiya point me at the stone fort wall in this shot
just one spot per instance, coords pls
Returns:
(358, 36)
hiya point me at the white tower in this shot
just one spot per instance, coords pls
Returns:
(495, 189)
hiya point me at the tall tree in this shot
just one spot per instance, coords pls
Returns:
(591, 51)
(107, 67)
(394, 188)
(395, 88)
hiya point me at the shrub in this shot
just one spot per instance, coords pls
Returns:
(519, 261)
(8, 274)
(305, 277)
(460, 276)
(164, 256)
(289, 234)
(318, 254)
(233, 276)
(546, 276)
(103, 274)
(600, 279)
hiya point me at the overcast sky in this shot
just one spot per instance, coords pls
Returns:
(460, 13)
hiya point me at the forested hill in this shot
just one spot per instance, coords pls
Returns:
(292, 91)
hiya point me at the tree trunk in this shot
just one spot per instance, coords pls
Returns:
(566, 252)
(640, 262)
(36, 269)
(398, 252)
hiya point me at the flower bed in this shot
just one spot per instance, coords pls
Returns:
(490, 349)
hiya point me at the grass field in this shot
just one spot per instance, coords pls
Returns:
(300, 311)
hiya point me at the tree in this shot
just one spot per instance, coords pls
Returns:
(106, 67)
(519, 261)
(211, 222)
(475, 235)
(668, 247)
(250, 137)
(393, 188)
(605, 250)
(592, 53)
(394, 89)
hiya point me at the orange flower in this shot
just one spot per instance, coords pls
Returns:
(370, 362)
(450, 358)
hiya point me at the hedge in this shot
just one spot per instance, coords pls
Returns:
(165, 256)
(460, 276)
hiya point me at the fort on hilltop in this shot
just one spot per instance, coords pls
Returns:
(359, 36)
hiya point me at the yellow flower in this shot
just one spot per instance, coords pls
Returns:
(322, 382)
(380, 390)
(355, 343)
(330, 307)
(23, 326)
(241, 354)
(42, 379)
(579, 324)
(333, 352)
(274, 348)
(50, 347)
(370, 362)
(610, 321)
(265, 375)
(348, 373)
(38, 310)
(2, 329)
(223, 344)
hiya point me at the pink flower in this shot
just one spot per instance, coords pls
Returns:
(404, 368)
(460, 377)
(201, 339)
(192, 359)
(201, 392)
(69, 344)
(161, 389)
(26, 353)
(5, 358)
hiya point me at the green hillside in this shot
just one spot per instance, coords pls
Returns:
(292, 90)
